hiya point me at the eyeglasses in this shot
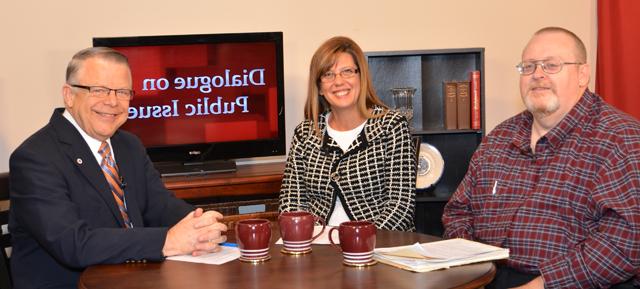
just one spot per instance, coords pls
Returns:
(550, 66)
(103, 92)
(330, 76)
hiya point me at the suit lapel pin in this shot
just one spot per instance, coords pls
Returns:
(79, 161)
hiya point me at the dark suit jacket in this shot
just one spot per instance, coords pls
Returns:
(63, 216)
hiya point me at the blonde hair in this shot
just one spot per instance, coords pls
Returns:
(323, 59)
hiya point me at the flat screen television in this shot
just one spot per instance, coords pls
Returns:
(202, 101)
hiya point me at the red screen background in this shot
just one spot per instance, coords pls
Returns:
(173, 61)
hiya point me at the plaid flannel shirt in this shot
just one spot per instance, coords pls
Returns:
(568, 211)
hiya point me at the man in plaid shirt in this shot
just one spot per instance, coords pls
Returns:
(557, 184)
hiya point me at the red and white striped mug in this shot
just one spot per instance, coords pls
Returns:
(296, 230)
(253, 237)
(357, 241)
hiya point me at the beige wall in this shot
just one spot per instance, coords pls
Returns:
(39, 37)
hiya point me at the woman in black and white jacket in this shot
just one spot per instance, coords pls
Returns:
(352, 158)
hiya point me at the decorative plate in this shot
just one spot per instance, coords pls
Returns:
(430, 166)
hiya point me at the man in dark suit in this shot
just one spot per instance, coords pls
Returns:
(84, 192)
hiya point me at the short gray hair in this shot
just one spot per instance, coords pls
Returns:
(84, 54)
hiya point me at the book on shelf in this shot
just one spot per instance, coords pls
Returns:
(449, 89)
(439, 255)
(475, 99)
(463, 105)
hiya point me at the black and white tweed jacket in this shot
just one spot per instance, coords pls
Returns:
(374, 179)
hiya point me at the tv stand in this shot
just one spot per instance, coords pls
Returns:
(168, 169)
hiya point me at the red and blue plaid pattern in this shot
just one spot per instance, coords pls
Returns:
(570, 210)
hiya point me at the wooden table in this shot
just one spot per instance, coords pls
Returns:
(321, 269)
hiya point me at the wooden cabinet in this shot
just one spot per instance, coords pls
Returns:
(250, 179)
(427, 70)
(250, 192)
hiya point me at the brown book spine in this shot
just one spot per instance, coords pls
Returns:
(464, 105)
(475, 100)
(450, 104)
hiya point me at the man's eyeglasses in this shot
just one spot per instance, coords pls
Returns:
(103, 92)
(330, 76)
(550, 66)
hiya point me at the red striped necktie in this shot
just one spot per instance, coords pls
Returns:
(110, 170)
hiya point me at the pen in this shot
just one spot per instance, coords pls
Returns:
(226, 244)
(495, 184)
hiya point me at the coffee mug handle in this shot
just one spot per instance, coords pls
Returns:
(321, 221)
(331, 239)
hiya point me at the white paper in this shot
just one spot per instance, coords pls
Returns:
(455, 249)
(323, 239)
(438, 255)
(225, 255)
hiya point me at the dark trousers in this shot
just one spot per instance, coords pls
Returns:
(507, 277)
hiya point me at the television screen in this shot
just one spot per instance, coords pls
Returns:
(209, 97)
